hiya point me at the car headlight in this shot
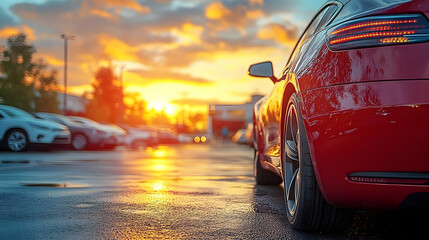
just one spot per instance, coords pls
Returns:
(39, 126)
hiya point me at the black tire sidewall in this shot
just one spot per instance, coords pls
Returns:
(304, 160)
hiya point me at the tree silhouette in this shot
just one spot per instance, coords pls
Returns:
(107, 103)
(26, 84)
(15, 89)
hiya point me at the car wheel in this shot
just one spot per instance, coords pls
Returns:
(16, 140)
(265, 177)
(305, 205)
(79, 142)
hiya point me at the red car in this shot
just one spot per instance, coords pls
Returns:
(347, 123)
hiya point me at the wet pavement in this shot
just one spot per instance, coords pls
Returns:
(177, 192)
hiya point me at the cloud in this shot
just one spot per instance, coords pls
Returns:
(117, 49)
(131, 4)
(8, 31)
(285, 34)
(217, 11)
(224, 17)
(256, 2)
(157, 75)
(255, 14)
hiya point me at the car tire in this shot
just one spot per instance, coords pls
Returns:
(16, 140)
(265, 177)
(79, 142)
(305, 205)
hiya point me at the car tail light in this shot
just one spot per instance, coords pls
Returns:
(379, 31)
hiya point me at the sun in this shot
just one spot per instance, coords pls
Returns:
(169, 109)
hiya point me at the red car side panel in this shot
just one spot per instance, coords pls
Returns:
(363, 65)
(368, 127)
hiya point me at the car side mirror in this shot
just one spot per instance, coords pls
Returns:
(263, 69)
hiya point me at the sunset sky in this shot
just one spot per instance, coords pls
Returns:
(197, 50)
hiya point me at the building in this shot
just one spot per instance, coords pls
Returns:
(233, 117)
(75, 105)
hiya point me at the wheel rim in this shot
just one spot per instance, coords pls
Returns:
(17, 141)
(291, 174)
(79, 142)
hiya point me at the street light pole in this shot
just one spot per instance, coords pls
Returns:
(66, 38)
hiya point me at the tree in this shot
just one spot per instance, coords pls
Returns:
(15, 88)
(135, 109)
(26, 84)
(107, 103)
(46, 83)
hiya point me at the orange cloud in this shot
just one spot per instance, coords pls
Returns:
(7, 32)
(51, 60)
(278, 33)
(103, 14)
(118, 50)
(217, 11)
(132, 4)
(225, 18)
(188, 34)
(255, 14)
(255, 2)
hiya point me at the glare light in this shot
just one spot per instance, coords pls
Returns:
(203, 139)
(379, 31)
(196, 139)
(158, 186)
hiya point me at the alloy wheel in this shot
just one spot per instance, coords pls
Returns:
(17, 141)
(292, 173)
(79, 142)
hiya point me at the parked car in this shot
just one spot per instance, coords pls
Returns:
(346, 124)
(19, 129)
(118, 132)
(165, 135)
(107, 136)
(138, 138)
(82, 137)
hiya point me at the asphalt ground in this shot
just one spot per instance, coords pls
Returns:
(198, 191)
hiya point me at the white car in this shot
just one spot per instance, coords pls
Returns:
(138, 138)
(19, 129)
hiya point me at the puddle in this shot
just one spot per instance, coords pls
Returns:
(192, 193)
(53, 185)
(135, 211)
(83, 205)
(15, 161)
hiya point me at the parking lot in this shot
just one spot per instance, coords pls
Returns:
(197, 191)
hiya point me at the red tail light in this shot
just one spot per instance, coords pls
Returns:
(379, 31)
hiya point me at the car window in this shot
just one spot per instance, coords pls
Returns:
(328, 14)
(16, 113)
(318, 22)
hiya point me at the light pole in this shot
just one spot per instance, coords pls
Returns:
(66, 38)
(121, 74)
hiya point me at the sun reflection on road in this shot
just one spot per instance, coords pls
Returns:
(157, 186)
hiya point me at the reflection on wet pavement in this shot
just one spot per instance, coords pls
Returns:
(180, 192)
